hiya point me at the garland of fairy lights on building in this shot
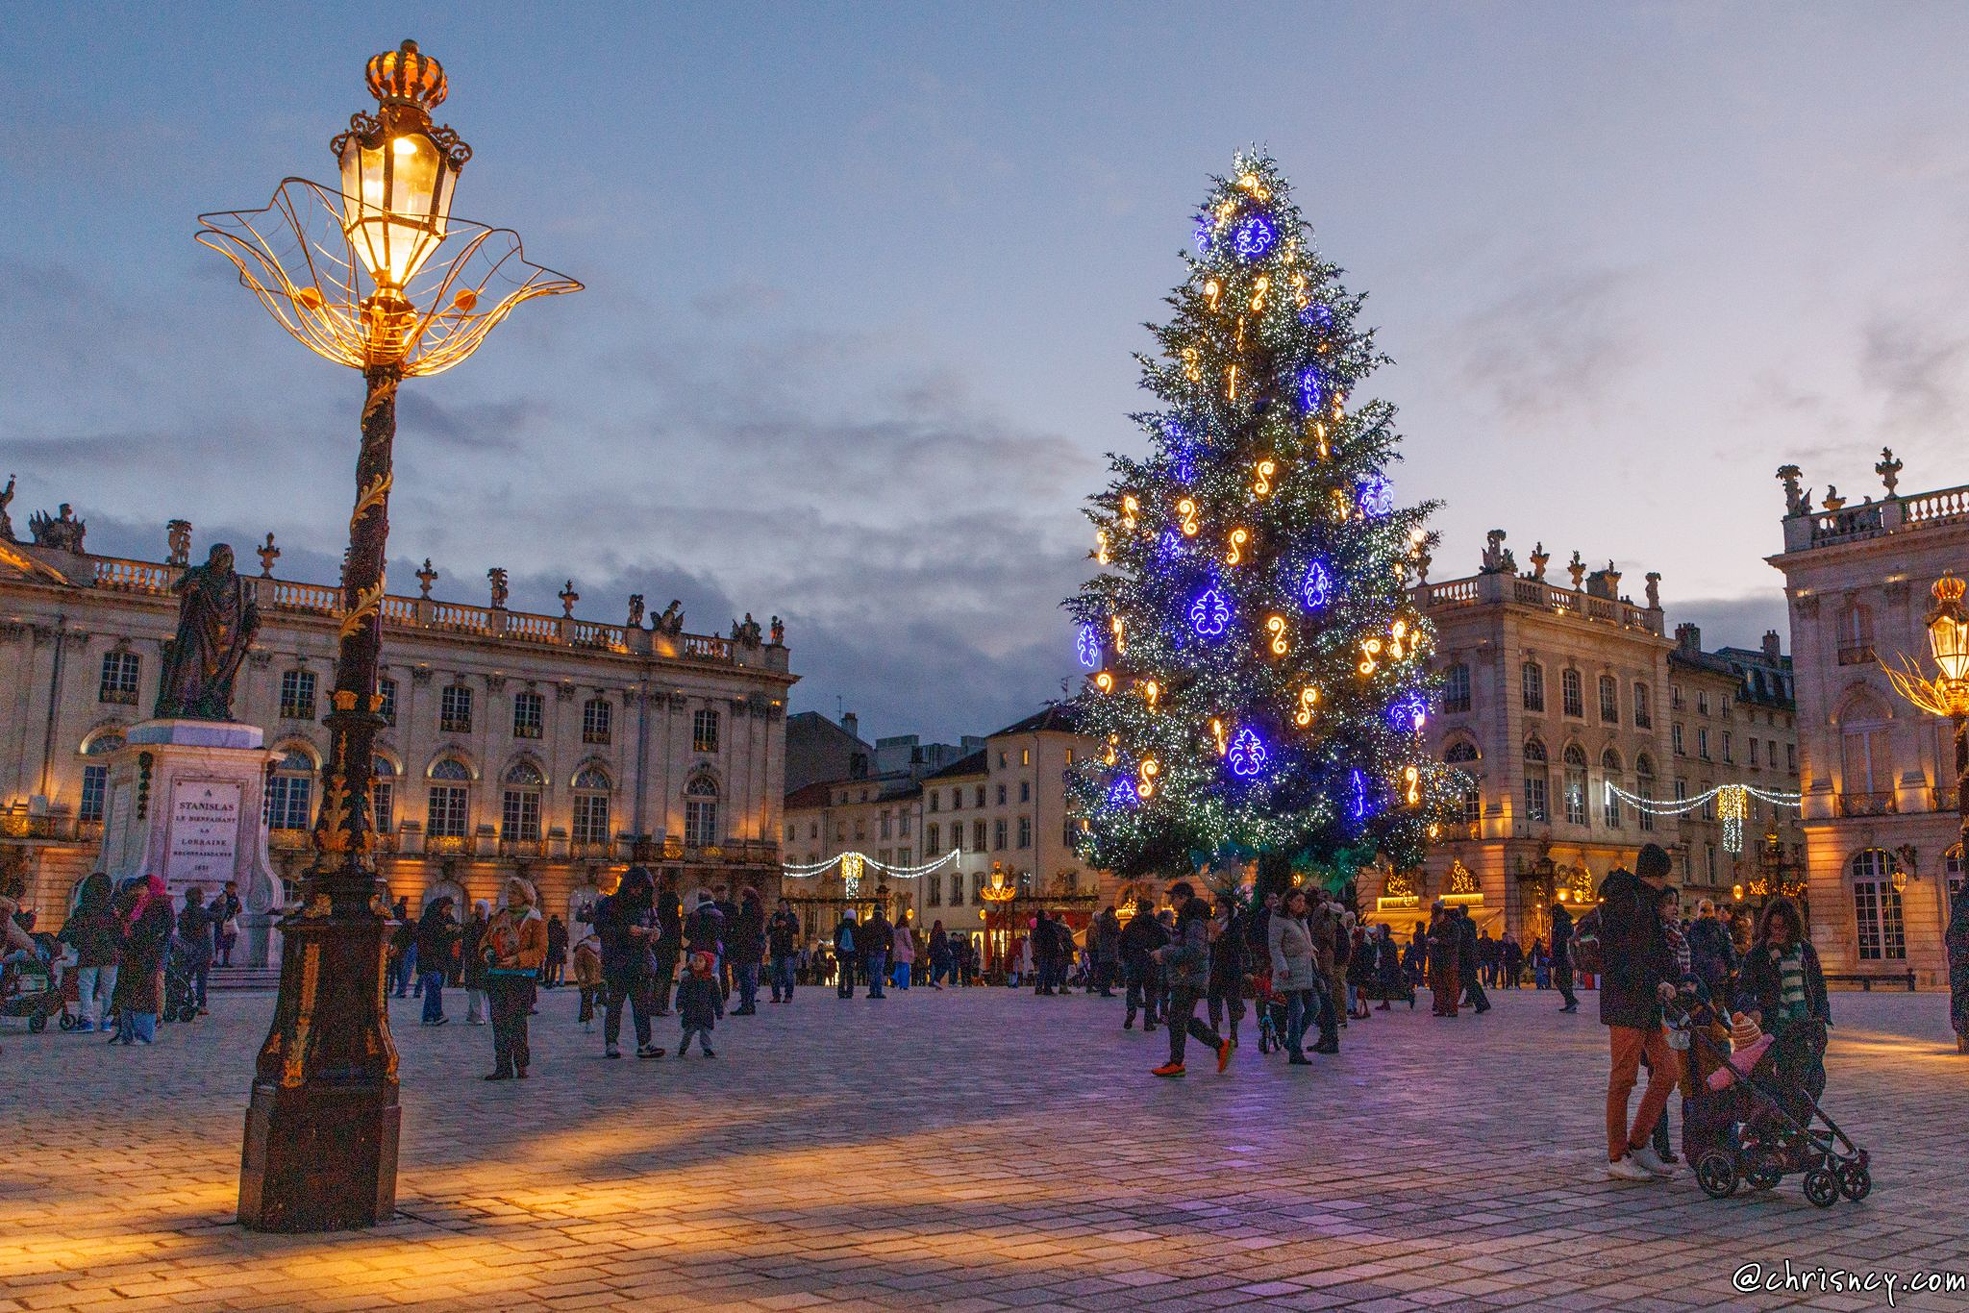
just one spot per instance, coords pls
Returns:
(854, 864)
(1732, 806)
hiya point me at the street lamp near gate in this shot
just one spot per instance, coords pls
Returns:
(377, 276)
(1948, 694)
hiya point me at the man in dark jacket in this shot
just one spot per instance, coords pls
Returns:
(669, 943)
(1469, 958)
(554, 968)
(873, 940)
(846, 955)
(1045, 953)
(1638, 974)
(403, 946)
(436, 932)
(1562, 956)
(1139, 940)
(1186, 959)
(783, 943)
(626, 923)
(745, 940)
(1103, 952)
(195, 941)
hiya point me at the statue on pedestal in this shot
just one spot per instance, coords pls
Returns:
(217, 619)
(61, 532)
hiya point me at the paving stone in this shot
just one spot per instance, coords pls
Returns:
(970, 1151)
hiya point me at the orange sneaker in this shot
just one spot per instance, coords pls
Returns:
(1223, 1056)
(1168, 1069)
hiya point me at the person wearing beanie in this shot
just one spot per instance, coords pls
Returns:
(514, 947)
(697, 1003)
(1638, 975)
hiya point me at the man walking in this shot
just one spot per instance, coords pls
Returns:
(1638, 970)
(625, 922)
(1186, 960)
(873, 942)
(1561, 964)
(783, 943)
(1469, 964)
(845, 955)
(1103, 951)
(1139, 940)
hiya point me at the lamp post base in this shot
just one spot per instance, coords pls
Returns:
(320, 1151)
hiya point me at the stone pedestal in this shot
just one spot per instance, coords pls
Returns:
(185, 801)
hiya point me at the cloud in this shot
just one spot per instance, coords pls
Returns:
(1555, 343)
(1735, 621)
(1917, 369)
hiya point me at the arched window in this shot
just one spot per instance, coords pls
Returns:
(591, 795)
(449, 813)
(1877, 923)
(95, 775)
(1866, 782)
(1575, 758)
(519, 808)
(1610, 805)
(1460, 751)
(1537, 782)
(290, 791)
(701, 812)
(383, 796)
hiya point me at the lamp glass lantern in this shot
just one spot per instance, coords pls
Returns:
(1948, 637)
(396, 198)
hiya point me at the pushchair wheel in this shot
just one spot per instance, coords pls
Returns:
(65, 1021)
(1821, 1187)
(1763, 1167)
(1716, 1173)
(37, 1023)
(1855, 1181)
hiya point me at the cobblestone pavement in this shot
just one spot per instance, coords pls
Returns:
(973, 1151)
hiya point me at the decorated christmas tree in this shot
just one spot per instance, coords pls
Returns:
(1256, 665)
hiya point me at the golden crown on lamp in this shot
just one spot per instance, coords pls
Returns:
(1948, 641)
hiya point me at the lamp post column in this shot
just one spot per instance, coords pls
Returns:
(322, 1127)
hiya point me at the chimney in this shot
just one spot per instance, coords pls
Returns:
(1688, 637)
(852, 723)
(1771, 646)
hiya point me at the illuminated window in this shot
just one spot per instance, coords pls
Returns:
(120, 678)
(447, 813)
(455, 710)
(528, 712)
(519, 810)
(297, 694)
(289, 791)
(701, 809)
(596, 715)
(387, 690)
(591, 795)
(383, 797)
(704, 731)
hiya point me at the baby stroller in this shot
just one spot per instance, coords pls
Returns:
(1760, 1127)
(179, 1004)
(1271, 1012)
(34, 988)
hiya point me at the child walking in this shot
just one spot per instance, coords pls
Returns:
(697, 1004)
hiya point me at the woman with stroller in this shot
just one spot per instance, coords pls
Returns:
(1782, 989)
(97, 937)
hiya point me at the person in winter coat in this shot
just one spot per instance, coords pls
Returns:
(436, 933)
(783, 945)
(942, 959)
(194, 942)
(1360, 972)
(1638, 975)
(873, 941)
(1511, 961)
(146, 915)
(225, 921)
(1139, 970)
(1445, 961)
(1104, 951)
(97, 937)
(1186, 960)
(626, 924)
(552, 971)
(845, 954)
(1712, 957)
(745, 941)
(1782, 989)
(1328, 928)
(669, 943)
(1044, 950)
(1561, 950)
(1391, 980)
(697, 1003)
(1956, 941)
(1295, 970)
(515, 946)
(1469, 961)
(472, 973)
(1224, 999)
(588, 976)
(903, 953)
(403, 946)
(704, 932)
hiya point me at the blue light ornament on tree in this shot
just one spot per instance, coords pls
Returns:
(1311, 383)
(1316, 588)
(1087, 646)
(1377, 495)
(1121, 794)
(1254, 236)
(1210, 613)
(1247, 755)
(1317, 315)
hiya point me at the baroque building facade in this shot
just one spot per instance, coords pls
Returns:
(552, 747)
(1549, 694)
(1882, 830)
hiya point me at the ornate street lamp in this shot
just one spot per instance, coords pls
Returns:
(1947, 695)
(379, 277)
